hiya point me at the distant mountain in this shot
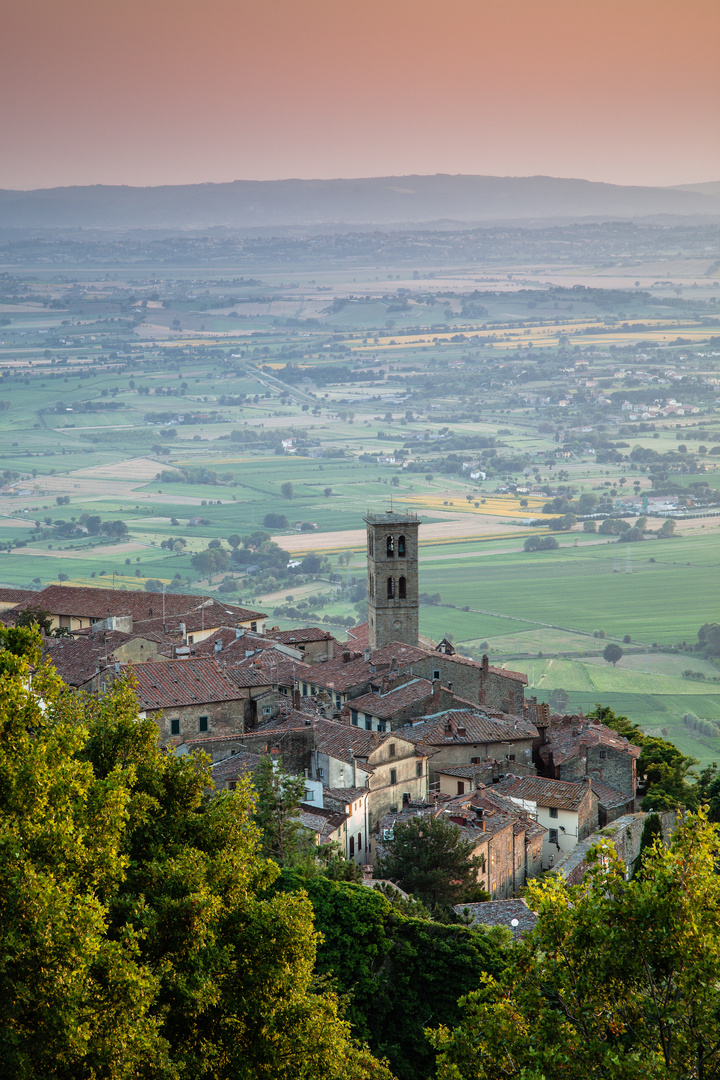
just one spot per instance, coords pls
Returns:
(374, 200)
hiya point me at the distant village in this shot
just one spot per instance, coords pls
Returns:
(383, 726)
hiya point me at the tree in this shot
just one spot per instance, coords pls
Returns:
(153, 585)
(210, 561)
(234, 541)
(540, 543)
(667, 528)
(618, 979)
(428, 857)
(589, 526)
(38, 617)
(612, 653)
(559, 700)
(287, 490)
(276, 810)
(138, 938)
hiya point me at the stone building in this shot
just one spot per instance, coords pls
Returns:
(469, 737)
(393, 596)
(568, 811)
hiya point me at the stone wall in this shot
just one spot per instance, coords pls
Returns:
(625, 834)
(295, 746)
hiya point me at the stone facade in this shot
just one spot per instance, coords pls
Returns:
(392, 556)
(625, 833)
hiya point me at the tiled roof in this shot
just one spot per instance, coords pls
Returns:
(608, 796)
(99, 603)
(248, 676)
(299, 637)
(338, 675)
(181, 682)
(501, 913)
(560, 794)
(387, 705)
(18, 596)
(359, 636)
(337, 740)
(570, 738)
(466, 727)
(321, 821)
(77, 659)
(345, 795)
(235, 766)
(397, 651)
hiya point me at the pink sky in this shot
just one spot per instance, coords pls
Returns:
(161, 92)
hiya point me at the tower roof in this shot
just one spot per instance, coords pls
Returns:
(392, 517)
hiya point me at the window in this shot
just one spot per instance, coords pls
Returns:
(553, 836)
(553, 811)
(352, 846)
(304, 689)
(391, 588)
(359, 841)
(603, 753)
(175, 726)
(368, 723)
(461, 787)
(393, 777)
(253, 627)
(419, 768)
(203, 723)
(309, 795)
(371, 586)
(382, 726)
(338, 701)
(401, 547)
(511, 757)
(390, 548)
(371, 546)
(320, 773)
(391, 749)
(191, 639)
(354, 717)
(436, 674)
(232, 784)
(402, 588)
(267, 709)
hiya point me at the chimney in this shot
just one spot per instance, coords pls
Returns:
(183, 633)
(218, 646)
(366, 655)
(296, 698)
(239, 631)
(436, 691)
(393, 663)
(450, 686)
(485, 666)
(346, 657)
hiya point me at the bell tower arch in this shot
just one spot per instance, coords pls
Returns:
(392, 558)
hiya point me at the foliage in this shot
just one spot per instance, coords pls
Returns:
(210, 561)
(137, 938)
(276, 521)
(559, 700)
(428, 857)
(540, 543)
(286, 490)
(618, 980)
(278, 798)
(35, 616)
(612, 653)
(396, 971)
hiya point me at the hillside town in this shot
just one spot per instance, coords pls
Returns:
(383, 727)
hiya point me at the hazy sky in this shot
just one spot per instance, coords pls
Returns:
(184, 91)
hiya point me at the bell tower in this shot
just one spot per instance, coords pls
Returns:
(392, 555)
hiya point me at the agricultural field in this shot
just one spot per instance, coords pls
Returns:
(152, 407)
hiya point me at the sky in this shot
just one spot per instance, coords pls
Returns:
(147, 92)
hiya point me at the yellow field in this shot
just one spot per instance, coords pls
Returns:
(497, 505)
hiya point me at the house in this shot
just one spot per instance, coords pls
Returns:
(78, 659)
(10, 598)
(78, 607)
(391, 768)
(186, 698)
(316, 646)
(568, 811)
(574, 747)
(469, 737)
(452, 780)
(396, 700)
(514, 914)
(354, 804)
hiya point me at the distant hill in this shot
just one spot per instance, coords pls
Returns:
(374, 200)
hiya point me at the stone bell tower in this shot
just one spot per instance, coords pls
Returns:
(392, 554)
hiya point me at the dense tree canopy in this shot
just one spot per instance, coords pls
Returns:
(618, 980)
(138, 937)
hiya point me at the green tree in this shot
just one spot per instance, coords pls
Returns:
(428, 857)
(287, 490)
(612, 653)
(618, 980)
(138, 937)
(276, 809)
(559, 700)
(39, 617)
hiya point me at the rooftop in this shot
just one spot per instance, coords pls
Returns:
(181, 682)
(559, 794)
(515, 914)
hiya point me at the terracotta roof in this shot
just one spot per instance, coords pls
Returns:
(609, 797)
(337, 740)
(560, 794)
(338, 675)
(77, 659)
(570, 738)
(99, 603)
(398, 651)
(19, 596)
(181, 682)
(345, 795)
(359, 636)
(388, 704)
(321, 821)
(466, 727)
(248, 676)
(501, 913)
(235, 766)
(281, 670)
(299, 637)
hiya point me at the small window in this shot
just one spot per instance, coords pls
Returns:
(391, 749)
(191, 639)
(419, 768)
(309, 795)
(390, 548)
(393, 777)
(382, 726)
(461, 787)
(353, 717)
(352, 846)
(511, 757)
(203, 723)
(553, 836)
(603, 753)
(232, 784)
(368, 723)
(253, 627)
(320, 773)
(553, 811)
(338, 701)
(175, 726)
(359, 841)
(267, 709)
(436, 674)
(391, 588)
(402, 588)
(401, 547)
(371, 546)
(304, 690)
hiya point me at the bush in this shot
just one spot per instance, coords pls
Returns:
(540, 543)
(276, 521)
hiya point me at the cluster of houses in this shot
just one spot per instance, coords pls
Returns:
(382, 727)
